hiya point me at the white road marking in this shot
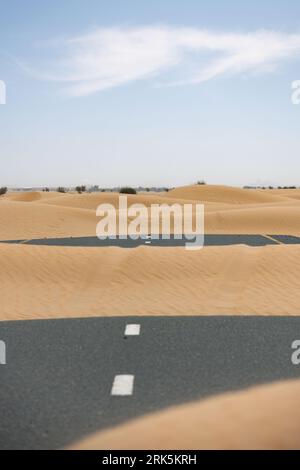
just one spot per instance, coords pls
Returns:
(147, 243)
(25, 241)
(132, 330)
(273, 239)
(123, 385)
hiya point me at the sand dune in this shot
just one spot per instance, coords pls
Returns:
(41, 214)
(19, 220)
(224, 194)
(265, 417)
(30, 196)
(54, 281)
(91, 201)
(69, 282)
(259, 219)
(289, 193)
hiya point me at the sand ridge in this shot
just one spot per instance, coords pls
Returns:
(225, 194)
(74, 282)
(227, 210)
(65, 282)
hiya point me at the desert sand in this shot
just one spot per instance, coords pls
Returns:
(48, 282)
(264, 417)
(51, 282)
(227, 210)
(225, 194)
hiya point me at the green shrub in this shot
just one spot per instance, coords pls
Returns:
(127, 190)
(61, 189)
(3, 190)
(80, 189)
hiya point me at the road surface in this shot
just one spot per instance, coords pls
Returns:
(209, 240)
(66, 378)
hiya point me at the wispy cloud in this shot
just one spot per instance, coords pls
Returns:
(110, 57)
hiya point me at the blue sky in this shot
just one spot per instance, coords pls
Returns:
(149, 93)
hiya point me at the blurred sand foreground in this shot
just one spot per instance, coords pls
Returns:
(265, 417)
(48, 282)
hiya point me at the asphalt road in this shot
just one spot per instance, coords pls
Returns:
(57, 382)
(209, 240)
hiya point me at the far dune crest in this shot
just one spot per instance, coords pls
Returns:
(224, 194)
(227, 210)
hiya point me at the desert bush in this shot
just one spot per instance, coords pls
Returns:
(61, 189)
(127, 190)
(201, 182)
(80, 189)
(3, 190)
(46, 190)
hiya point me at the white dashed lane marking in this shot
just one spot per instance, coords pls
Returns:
(123, 385)
(132, 329)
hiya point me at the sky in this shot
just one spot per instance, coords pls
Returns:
(160, 93)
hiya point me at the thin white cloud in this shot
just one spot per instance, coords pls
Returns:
(110, 57)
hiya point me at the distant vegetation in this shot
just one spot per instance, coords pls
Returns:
(270, 187)
(94, 189)
(80, 189)
(127, 190)
(200, 182)
(46, 190)
(3, 190)
(61, 189)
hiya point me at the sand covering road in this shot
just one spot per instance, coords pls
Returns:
(51, 282)
(265, 417)
(47, 282)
